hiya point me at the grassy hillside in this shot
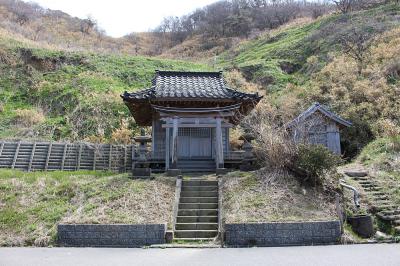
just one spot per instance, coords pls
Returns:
(309, 61)
(69, 95)
(280, 56)
(269, 196)
(32, 204)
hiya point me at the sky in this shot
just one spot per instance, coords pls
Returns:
(120, 17)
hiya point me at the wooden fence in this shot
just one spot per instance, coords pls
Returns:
(50, 156)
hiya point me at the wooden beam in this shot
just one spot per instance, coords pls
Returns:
(64, 155)
(175, 143)
(1, 147)
(125, 159)
(109, 157)
(78, 164)
(167, 148)
(16, 155)
(46, 166)
(197, 125)
(94, 157)
(32, 155)
(219, 146)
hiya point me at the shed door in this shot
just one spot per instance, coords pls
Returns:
(184, 142)
(194, 143)
(200, 143)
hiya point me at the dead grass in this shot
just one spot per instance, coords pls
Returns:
(272, 196)
(32, 204)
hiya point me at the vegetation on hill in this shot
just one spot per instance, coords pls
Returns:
(32, 204)
(273, 196)
(349, 62)
(55, 94)
(382, 158)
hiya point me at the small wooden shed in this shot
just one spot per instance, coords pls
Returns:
(318, 125)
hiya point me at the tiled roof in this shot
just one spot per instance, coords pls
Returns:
(322, 109)
(189, 85)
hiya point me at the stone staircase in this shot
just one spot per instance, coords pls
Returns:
(380, 202)
(197, 218)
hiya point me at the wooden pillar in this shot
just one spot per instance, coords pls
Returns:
(46, 166)
(31, 157)
(110, 157)
(219, 153)
(1, 148)
(167, 148)
(16, 155)
(78, 164)
(174, 151)
(64, 156)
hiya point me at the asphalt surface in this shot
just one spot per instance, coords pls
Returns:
(365, 255)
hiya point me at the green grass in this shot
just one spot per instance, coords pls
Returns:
(250, 197)
(32, 204)
(260, 59)
(382, 158)
(77, 91)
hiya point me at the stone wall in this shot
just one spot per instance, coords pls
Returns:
(113, 235)
(282, 234)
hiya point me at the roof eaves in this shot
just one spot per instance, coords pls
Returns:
(318, 107)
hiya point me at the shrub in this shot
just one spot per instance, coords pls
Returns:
(28, 117)
(122, 135)
(315, 162)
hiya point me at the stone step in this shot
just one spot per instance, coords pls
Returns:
(369, 185)
(198, 170)
(377, 193)
(385, 207)
(380, 202)
(197, 219)
(199, 183)
(198, 199)
(195, 233)
(199, 239)
(372, 189)
(199, 193)
(199, 188)
(198, 212)
(388, 217)
(390, 212)
(196, 226)
(356, 173)
(189, 206)
(365, 182)
(380, 197)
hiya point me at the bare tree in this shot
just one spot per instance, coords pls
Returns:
(356, 43)
(344, 6)
(87, 25)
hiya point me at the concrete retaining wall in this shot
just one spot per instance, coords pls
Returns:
(282, 234)
(113, 235)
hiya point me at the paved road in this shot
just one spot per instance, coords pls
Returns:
(365, 255)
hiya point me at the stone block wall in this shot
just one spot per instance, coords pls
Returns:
(282, 234)
(110, 235)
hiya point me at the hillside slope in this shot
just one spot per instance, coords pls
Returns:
(54, 94)
(349, 62)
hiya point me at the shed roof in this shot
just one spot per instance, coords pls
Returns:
(317, 107)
